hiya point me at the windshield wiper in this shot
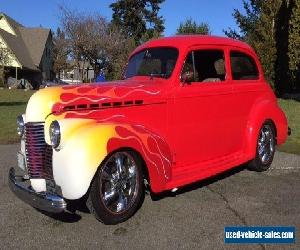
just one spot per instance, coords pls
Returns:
(161, 75)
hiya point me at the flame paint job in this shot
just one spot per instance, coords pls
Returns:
(56, 99)
(184, 133)
(110, 93)
(153, 149)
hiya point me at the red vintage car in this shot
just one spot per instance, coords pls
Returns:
(189, 107)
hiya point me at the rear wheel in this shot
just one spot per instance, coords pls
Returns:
(265, 148)
(117, 189)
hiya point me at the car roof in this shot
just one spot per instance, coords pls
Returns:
(185, 41)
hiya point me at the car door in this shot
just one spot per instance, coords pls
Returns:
(246, 81)
(203, 122)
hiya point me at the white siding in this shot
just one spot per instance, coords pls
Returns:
(5, 26)
(12, 62)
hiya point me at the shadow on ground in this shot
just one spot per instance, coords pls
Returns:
(295, 97)
(199, 184)
(12, 103)
(80, 205)
(70, 216)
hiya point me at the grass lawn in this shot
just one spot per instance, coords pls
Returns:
(13, 103)
(292, 111)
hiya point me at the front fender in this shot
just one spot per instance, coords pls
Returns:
(152, 148)
(83, 148)
(85, 143)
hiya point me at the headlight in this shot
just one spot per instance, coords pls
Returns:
(54, 132)
(20, 125)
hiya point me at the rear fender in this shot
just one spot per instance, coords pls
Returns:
(262, 111)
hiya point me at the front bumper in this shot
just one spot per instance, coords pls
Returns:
(45, 201)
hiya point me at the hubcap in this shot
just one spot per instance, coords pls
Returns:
(119, 182)
(266, 144)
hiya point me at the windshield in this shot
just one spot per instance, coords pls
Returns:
(153, 62)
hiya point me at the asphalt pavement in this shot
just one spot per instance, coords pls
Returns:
(193, 218)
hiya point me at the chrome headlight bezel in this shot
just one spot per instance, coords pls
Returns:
(20, 125)
(54, 134)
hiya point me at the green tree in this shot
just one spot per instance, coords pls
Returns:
(246, 22)
(138, 19)
(283, 81)
(294, 46)
(189, 26)
(257, 27)
(267, 26)
(264, 39)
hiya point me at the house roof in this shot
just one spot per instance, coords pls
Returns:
(27, 45)
(13, 23)
(16, 44)
(35, 40)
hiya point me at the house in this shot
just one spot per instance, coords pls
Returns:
(30, 51)
(77, 72)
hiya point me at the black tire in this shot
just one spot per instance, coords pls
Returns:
(263, 159)
(105, 206)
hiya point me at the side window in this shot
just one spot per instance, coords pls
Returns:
(243, 67)
(188, 72)
(204, 66)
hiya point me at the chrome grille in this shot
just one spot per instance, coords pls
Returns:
(38, 153)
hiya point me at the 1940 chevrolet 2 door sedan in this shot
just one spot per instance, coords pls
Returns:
(189, 107)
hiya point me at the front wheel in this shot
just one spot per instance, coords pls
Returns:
(117, 189)
(265, 148)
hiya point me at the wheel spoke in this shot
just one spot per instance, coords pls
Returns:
(271, 146)
(266, 143)
(263, 136)
(119, 164)
(130, 189)
(109, 197)
(268, 136)
(106, 176)
(119, 182)
(131, 172)
(264, 157)
(261, 149)
(122, 202)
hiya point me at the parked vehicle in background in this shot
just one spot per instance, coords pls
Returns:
(189, 107)
(53, 83)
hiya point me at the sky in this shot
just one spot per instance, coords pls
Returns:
(34, 13)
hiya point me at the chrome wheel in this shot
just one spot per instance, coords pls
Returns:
(266, 144)
(119, 182)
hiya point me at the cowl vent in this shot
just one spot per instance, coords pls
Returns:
(103, 105)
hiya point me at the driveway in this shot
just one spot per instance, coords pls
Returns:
(194, 218)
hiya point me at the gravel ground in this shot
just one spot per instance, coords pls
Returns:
(193, 218)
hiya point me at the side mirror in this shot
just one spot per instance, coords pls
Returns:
(187, 77)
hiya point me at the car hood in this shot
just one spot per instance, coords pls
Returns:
(93, 96)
